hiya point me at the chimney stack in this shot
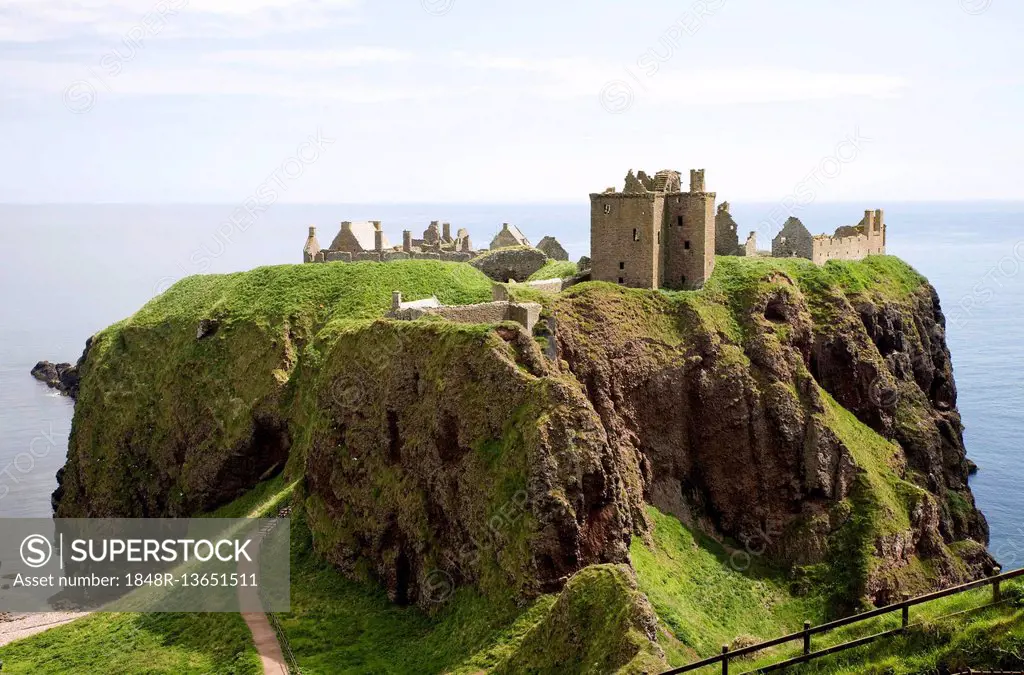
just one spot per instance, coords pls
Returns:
(407, 241)
(446, 232)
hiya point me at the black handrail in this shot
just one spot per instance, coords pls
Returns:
(808, 631)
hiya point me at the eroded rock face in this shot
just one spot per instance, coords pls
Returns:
(736, 434)
(894, 372)
(468, 462)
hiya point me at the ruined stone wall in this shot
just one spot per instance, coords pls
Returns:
(390, 256)
(727, 240)
(750, 248)
(852, 242)
(838, 248)
(526, 313)
(547, 285)
(625, 234)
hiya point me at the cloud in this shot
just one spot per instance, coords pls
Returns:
(40, 20)
(283, 58)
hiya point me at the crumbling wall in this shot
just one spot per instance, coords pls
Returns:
(852, 242)
(525, 313)
(727, 240)
(750, 248)
(552, 249)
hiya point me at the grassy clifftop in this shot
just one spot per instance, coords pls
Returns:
(180, 407)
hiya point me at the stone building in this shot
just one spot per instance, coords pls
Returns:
(652, 234)
(793, 240)
(509, 236)
(850, 242)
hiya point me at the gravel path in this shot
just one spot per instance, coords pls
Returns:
(17, 625)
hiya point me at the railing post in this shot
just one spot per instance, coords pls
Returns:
(807, 638)
(906, 610)
(997, 592)
(725, 659)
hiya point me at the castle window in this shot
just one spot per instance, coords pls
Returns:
(621, 280)
(683, 280)
(622, 265)
(686, 244)
(659, 239)
(679, 221)
(636, 234)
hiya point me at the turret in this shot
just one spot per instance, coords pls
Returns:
(312, 247)
(696, 180)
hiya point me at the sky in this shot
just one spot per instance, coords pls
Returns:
(350, 101)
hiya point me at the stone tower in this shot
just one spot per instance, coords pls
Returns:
(653, 235)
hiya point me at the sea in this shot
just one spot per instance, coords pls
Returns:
(67, 271)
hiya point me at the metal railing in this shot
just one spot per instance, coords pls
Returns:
(806, 634)
(282, 638)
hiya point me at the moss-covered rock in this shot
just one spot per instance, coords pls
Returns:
(600, 624)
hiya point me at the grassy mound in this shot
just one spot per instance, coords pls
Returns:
(554, 269)
(706, 595)
(137, 644)
(204, 369)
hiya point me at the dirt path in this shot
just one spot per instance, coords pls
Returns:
(263, 634)
(265, 639)
(18, 625)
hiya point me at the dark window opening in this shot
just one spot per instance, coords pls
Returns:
(636, 234)
(679, 221)
(621, 280)
(622, 265)
(659, 239)
(683, 280)
(686, 244)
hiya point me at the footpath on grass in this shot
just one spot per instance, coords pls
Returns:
(16, 626)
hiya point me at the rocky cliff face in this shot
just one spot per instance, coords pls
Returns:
(804, 413)
(737, 408)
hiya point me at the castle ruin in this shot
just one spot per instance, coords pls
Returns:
(850, 242)
(652, 234)
(367, 241)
